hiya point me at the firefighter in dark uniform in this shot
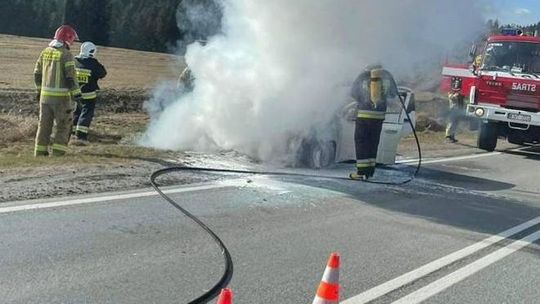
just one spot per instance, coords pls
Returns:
(370, 91)
(89, 71)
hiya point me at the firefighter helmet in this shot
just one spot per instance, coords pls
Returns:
(88, 49)
(66, 34)
(370, 67)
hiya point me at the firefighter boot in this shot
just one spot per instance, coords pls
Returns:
(41, 151)
(451, 139)
(358, 176)
(77, 141)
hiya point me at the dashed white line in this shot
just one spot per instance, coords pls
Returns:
(429, 268)
(457, 276)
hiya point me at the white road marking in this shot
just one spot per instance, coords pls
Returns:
(429, 268)
(115, 197)
(449, 159)
(457, 276)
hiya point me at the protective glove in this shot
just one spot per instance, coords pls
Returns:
(349, 112)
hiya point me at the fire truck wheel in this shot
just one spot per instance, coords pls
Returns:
(487, 137)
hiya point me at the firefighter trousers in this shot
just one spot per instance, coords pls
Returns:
(51, 115)
(82, 118)
(456, 112)
(366, 137)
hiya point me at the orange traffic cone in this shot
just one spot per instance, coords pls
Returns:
(225, 297)
(328, 291)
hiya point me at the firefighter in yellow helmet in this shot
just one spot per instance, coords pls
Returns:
(56, 80)
(370, 91)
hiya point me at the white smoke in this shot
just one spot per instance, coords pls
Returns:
(281, 68)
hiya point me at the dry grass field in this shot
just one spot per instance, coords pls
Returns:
(127, 69)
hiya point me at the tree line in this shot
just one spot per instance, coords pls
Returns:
(156, 25)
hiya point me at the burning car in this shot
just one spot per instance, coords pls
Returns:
(337, 143)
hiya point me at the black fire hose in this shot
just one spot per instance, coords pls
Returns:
(228, 273)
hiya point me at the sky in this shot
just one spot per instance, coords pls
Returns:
(521, 12)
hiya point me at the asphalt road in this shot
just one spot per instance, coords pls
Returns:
(466, 231)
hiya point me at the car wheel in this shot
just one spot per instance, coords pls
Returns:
(321, 155)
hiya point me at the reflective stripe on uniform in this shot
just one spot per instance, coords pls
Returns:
(83, 75)
(49, 89)
(58, 76)
(82, 129)
(69, 63)
(85, 72)
(40, 148)
(54, 94)
(364, 163)
(58, 92)
(51, 55)
(89, 95)
(371, 114)
(60, 147)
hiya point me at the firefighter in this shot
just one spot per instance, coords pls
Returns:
(55, 79)
(89, 71)
(370, 90)
(186, 80)
(477, 62)
(456, 102)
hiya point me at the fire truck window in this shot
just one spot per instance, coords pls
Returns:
(534, 63)
(512, 57)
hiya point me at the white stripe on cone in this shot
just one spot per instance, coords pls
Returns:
(330, 276)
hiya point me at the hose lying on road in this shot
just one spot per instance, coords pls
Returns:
(227, 274)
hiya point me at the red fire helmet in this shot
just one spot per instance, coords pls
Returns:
(66, 34)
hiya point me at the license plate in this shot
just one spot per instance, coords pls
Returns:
(519, 117)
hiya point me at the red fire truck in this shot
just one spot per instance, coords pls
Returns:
(504, 89)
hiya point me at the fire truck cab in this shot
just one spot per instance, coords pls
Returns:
(503, 88)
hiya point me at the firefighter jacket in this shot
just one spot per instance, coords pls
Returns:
(361, 93)
(455, 97)
(89, 71)
(55, 76)
(456, 100)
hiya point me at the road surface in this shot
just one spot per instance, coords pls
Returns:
(466, 231)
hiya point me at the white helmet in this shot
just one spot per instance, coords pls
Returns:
(88, 49)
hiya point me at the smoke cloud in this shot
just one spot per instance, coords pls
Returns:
(280, 69)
